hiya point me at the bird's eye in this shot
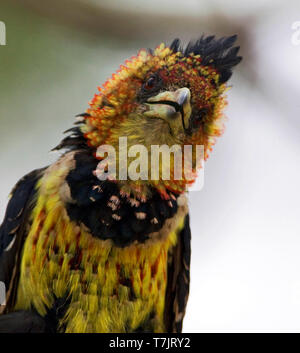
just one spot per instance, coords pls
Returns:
(150, 83)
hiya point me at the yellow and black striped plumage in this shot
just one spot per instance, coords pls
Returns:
(82, 255)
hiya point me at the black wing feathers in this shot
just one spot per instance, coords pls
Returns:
(178, 280)
(13, 232)
(15, 208)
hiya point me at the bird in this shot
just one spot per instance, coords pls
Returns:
(84, 254)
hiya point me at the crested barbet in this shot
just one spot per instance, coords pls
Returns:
(80, 252)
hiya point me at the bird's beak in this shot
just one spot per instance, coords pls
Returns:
(174, 107)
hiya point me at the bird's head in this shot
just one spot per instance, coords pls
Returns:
(169, 96)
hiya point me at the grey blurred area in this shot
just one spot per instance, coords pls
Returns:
(245, 273)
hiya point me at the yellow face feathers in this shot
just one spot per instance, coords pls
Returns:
(118, 97)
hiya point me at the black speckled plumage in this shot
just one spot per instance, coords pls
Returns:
(107, 213)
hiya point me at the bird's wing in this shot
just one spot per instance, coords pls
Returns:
(178, 280)
(13, 232)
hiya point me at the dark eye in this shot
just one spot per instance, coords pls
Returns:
(150, 83)
(151, 86)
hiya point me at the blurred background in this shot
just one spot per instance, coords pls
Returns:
(245, 272)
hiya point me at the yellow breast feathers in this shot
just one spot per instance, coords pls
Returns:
(110, 289)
